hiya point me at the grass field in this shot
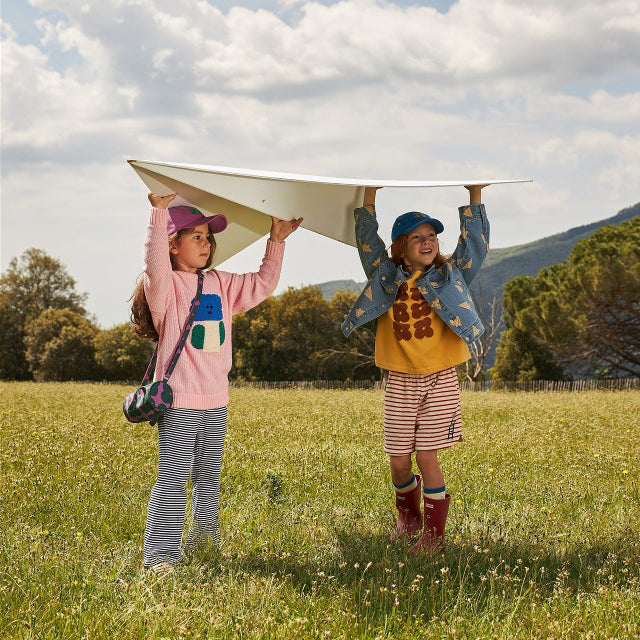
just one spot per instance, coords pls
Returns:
(544, 527)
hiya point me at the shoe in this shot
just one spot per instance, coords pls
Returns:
(409, 515)
(435, 519)
(161, 569)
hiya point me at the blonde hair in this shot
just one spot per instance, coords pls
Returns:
(140, 312)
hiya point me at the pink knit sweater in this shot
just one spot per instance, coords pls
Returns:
(199, 380)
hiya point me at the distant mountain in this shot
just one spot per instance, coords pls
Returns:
(502, 265)
(328, 289)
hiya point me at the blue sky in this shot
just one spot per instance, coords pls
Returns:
(358, 88)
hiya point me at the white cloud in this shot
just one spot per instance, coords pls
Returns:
(355, 41)
(357, 88)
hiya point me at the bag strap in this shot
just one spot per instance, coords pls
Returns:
(195, 303)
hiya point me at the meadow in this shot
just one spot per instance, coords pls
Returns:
(543, 533)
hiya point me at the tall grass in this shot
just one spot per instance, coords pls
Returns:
(543, 536)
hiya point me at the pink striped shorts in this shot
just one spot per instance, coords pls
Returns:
(421, 412)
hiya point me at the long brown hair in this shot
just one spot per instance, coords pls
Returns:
(140, 312)
(399, 247)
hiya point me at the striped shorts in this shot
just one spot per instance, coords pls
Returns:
(421, 412)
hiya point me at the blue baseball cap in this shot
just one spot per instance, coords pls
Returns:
(408, 222)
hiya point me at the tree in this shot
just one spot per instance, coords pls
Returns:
(31, 284)
(582, 315)
(253, 332)
(13, 365)
(36, 281)
(298, 337)
(304, 326)
(121, 353)
(520, 357)
(60, 346)
(276, 340)
(352, 357)
(592, 316)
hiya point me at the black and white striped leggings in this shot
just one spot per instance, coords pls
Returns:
(190, 441)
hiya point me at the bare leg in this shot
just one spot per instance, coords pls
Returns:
(432, 477)
(400, 469)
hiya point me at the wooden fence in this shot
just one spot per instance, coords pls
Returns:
(616, 384)
(308, 384)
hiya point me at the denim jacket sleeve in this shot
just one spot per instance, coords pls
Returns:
(473, 242)
(371, 248)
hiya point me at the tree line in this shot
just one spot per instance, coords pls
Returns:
(46, 332)
(579, 318)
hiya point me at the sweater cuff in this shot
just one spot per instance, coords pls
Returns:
(274, 249)
(158, 216)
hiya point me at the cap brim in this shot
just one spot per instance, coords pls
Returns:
(217, 223)
(438, 227)
(436, 224)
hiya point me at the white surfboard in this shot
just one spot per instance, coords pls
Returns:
(249, 198)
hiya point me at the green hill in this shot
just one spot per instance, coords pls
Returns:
(501, 265)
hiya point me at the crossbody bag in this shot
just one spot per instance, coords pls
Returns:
(151, 399)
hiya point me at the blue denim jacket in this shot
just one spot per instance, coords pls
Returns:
(446, 289)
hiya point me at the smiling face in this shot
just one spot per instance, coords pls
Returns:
(192, 249)
(422, 247)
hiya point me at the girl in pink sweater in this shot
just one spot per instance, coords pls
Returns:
(191, 433)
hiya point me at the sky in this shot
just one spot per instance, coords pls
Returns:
(442, 90)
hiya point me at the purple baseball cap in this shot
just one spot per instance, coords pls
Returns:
(186, 217)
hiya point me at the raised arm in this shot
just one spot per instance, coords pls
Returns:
(282, 229)
(475, 193)
(473, 242)
(369, 197)
(250, 289)
(157, 266)
(371, 248)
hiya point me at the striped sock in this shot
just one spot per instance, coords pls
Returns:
(407, 486)
(438, 493)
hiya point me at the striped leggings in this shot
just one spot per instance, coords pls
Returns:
(191, 441)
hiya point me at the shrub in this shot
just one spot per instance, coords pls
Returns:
(121, 353)
(60, 346)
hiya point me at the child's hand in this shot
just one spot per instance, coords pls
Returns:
(160, 202)
(369, 197)
(282, 229)
(475, 192)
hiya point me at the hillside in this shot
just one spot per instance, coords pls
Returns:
(501, 265)
(328, 289)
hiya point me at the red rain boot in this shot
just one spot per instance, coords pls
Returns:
(409, 516)
(435, 519)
